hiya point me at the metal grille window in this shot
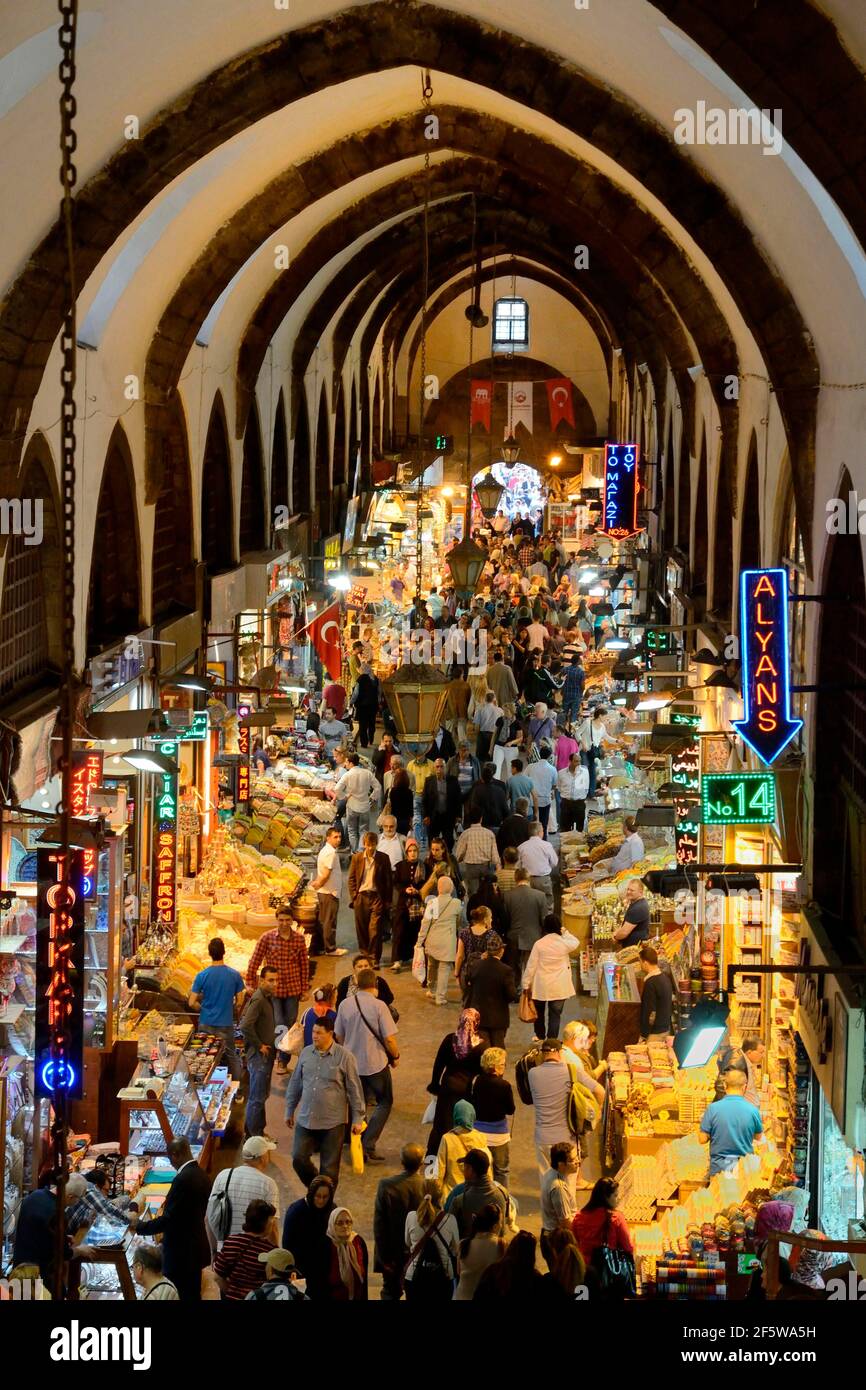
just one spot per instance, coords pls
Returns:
(24, 654)
(511, 324)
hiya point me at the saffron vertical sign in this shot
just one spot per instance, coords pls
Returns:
(59, 1013)
(620, 494)
(86, 773)
(164, 859)
(766, 726)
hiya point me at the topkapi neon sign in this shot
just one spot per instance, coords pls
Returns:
(766, 726)
(59, 974)
(621, 487)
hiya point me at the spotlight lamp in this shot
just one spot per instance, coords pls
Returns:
(697, 1043)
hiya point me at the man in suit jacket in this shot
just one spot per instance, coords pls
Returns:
(395, 1198)
(438, 818)
(526, 909)
(185, 1246)
(491, 988)
(514, 830)
(489, 798)
(370, 890)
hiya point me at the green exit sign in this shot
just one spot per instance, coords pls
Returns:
(738, 798)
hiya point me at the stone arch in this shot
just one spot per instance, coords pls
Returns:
(338, 465)
(172, 558)
(31, 613)
(301, 457)
(280, 459)
(114, 596)
(353, 438)
(376, 431)
(322, 504)
(217, 507)
(668, 494)
(253, 521)
(750, 530)
(684, 497)
(700, 544)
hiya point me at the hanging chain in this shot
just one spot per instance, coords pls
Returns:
(427, 97)
(60, 1033)
(467, 515)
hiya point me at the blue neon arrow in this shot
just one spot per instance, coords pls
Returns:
(766, 744)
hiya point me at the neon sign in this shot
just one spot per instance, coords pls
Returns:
(165, 843)
(620, 493)
(767, 726)
(738, 798)
(196, 730)
(59, 1014)
(244, 765)
(86, 772)
(656, 641)
(686, 776)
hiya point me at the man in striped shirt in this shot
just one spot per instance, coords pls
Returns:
(476, 852)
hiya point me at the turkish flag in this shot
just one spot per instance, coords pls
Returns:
(481, 393)
(560, 401)
(324, 632)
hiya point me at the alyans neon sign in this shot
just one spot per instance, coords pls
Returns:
(766, 726)
(620, 493)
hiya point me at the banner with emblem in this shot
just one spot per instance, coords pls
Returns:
(560, 400)
(520, 404)
(481, 403)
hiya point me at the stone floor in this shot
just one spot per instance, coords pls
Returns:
(421, 1028)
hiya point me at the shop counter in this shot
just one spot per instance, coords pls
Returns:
(618, 1012)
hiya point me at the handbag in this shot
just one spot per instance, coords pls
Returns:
(419, 964)
(614, 1269)
(293, 1038)
(526, 1010)
(430, 1112)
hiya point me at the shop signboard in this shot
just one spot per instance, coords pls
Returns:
(244, 746)
(164, 870)
(59, 1009)
(738, 798)
(766, 726)
(333, 552)
(620, 491)
(193, 730)
(686, 776)
(86, 773)
(658, 641)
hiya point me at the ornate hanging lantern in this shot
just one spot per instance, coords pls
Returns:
(488, 492)
(466, 562)
(510, 450)
(416, 696)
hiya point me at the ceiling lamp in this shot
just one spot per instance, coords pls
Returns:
(602, 610)
(82, 834)
(720, 680)
(704, 657)
(416, 695)
(448, 491)
(555, 460)
(616, 644)
(190, 682)
(510, 451)
(146, 760)
(587, 576)
(488, 492)
(696, 1044)
(466, 562)
(652, 701)
(341, 582)
(655, 815)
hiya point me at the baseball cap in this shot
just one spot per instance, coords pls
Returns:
(480, 1160)
(257, 1146)
(76, 1185)
(551, 1045)
(278, 1259)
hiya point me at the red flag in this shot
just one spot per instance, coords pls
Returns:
(324, 632)
(560, 401)
(481, 393)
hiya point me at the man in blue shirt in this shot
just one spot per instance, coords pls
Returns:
(730, 1126)
(217, 992)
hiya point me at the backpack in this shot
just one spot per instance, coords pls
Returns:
(220, 1213)
(524, 1066)
(431, 1280)
(581, 1112)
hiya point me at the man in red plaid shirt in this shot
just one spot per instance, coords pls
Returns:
(286, 951)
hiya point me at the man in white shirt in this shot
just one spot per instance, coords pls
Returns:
(332, 730)
(542, 775)
(539, 570)
(434, 605)
(328, 884)
(629, 852)
(573, 785)
(539, 858)
(538, 637)
(486, 718)
(390, 842)
(357, 785)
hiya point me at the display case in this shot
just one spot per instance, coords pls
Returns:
(102, 933)
(618, 1013)
(191, 1098)
(16, 1147)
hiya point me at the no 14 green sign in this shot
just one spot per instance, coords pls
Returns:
(738, 798)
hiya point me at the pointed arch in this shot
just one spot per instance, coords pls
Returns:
(322, 505)
(750, 532)
(376, 432)
(700, 548)
(353, 438)
(684, 498)
(338, 466)
(31, 617)
(280, 459)
(252, 528)
(172, 559)
(669, 495)
(114, 598)
(301, 455)
(217, 507)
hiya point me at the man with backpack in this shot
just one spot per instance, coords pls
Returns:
(475, 1192)
(551, 1085)
(234, 1188)
(281, 1280)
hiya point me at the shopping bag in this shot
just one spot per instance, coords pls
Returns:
(526, 1010)
(419, 965)
(293, 1039)
(356, 1154)
(430, 1113)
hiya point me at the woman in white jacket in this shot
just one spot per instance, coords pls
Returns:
(443, 916)
(547, 978)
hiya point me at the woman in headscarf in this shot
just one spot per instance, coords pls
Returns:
(409, 878)
(348, 1269)
(305, 1233)
(457, 1062)
(456, 1144)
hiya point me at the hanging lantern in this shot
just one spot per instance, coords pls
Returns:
(488, 492)
(466, 562)
(510, 451)
(416, 696)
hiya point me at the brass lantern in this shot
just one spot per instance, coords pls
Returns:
(466, 562)
(416, 695)
(510, 451)
(488, 492)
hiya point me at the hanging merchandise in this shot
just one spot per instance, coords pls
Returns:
(560, 401)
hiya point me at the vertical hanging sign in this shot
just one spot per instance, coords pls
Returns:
(164, 859)
(686, 776)
(620, 492)
(243, 795)
(59, 1012)
(766, 726)
(86, 773)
